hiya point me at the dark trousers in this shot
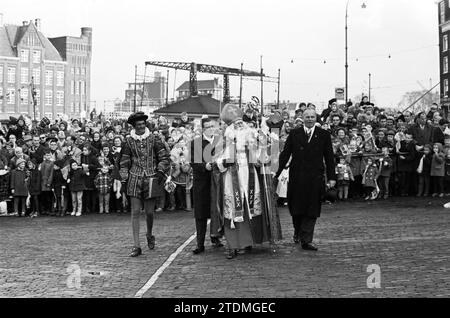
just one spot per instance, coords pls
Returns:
(384, 185)
(355, 189)
(47, 198)
(180, 196)
(89, 201)
(438, 184)
(424, 185)
(201, 226)
(404, 179)
(22, 202)
(304, 228)
(35, 206)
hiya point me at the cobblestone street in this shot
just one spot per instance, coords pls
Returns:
(409, 240)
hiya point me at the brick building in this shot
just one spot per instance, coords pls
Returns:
(444, 52)
(151, 95)
(58, 69)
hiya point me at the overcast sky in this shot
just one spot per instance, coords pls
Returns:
(304, 38)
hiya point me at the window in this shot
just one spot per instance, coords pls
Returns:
(445, 66)
(1, 73)
(11, 96)
(60, 78)
(48, 98)
(49, 77)
(37, 76)
(24, 56)
(442, 11)
(445, 43)
(59, 98)
(446, 88)
(24, 96)
(78, 71)
(77, 89)
(11, 75)
(36, 57)
(24, 75)
(72, 87)
(72, 70)
(83, 71)
(72, 107)
(81, 88)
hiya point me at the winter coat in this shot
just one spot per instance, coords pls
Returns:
(386, 167)
(103, 182)
(18, 183)
(407, 150)
(47, 168)
(344, 174)
(34, 182)
(438, 165)
(370, 176)
(93, 167)
(307, 171)
(77, 182)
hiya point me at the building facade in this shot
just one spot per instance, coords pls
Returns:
(150, 95)
(33, 65)
(209, 88)
(444, 53)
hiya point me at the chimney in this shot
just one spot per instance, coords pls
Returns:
(37, 23)
(87, 32)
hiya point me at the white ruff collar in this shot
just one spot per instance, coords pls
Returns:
(141, 137)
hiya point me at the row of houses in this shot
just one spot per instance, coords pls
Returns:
(56, 71)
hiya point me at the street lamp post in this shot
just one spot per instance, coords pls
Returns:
(346, 53)
(346, 49)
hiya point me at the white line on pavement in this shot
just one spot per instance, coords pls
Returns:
(166, 264)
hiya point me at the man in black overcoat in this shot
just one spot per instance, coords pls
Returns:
(201, 160)
(310, 147)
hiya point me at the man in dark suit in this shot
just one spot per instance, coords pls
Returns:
(201, 161)
(309, 146)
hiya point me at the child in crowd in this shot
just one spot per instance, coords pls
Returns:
(19, 188)
(344, 176)
(47, 170)
(34, 187)
(370, 177)
(424, 171)
(181, 177)
(59, 184)
(355, 164)
(385, 172)
(103, 183)
(438, 170)
(89, 163)
(76, 184)
(447, 173)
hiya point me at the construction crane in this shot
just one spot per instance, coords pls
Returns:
(195, 68)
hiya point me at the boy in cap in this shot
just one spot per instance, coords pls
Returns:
(19, 187)
(47, 169)
(34, 187)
